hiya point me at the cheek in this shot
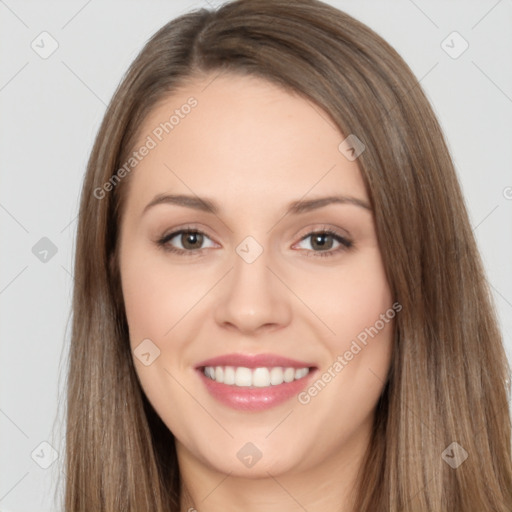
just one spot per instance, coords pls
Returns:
(157, 295)
(353, 299)
(160, 297)
(157, 298)
(357, 306)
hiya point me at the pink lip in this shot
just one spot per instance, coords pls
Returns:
(254, 361)
(254, 398)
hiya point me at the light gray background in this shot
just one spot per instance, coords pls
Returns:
(50, 112)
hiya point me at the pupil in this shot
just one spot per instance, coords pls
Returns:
(192, 239)
(319, 240)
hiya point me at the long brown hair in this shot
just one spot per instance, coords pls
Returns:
(448, 381)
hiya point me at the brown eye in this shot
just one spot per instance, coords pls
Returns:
(325, 243)
(190, 240)
(185, 241)
(322, 241)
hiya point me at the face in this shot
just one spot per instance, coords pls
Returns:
(260, 317)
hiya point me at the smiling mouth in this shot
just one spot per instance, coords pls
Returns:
(261, 377)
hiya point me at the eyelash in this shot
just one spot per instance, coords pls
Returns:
(163, 242)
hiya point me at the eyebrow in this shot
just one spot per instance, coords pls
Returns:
(295, 207)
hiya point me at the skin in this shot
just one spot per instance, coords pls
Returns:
(254, 148)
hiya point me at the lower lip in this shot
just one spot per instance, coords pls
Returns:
(253, 398)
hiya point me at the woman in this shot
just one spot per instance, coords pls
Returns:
(279, 304)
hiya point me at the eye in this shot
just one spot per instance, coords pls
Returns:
(321, 242)
(190, 242)
(185, 241)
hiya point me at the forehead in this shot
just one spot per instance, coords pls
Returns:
(240, 139)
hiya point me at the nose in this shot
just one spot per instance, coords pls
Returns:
(252, 299)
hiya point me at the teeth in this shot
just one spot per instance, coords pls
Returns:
(257, 377)
(261, 377)
(301, 372)
(276, 376)
(229, 375)
(289, 375)
(243, 377)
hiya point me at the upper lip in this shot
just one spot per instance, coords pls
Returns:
(254, 361)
